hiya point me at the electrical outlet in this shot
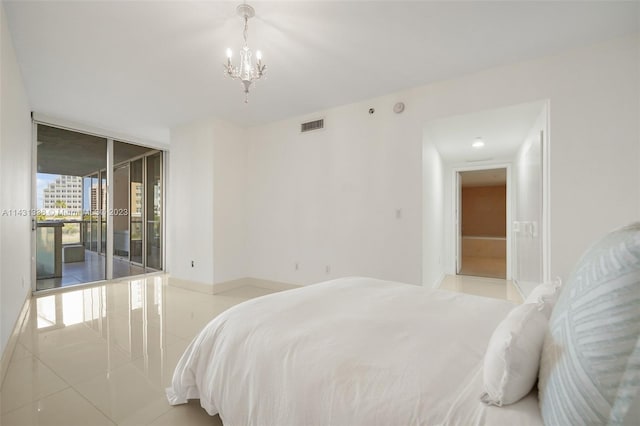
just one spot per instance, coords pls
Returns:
(327, 269)
(398, 213)
(193, 264)
(296, 266)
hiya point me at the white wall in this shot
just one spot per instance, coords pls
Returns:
(207, 186)
(15, 187)
(229, 203)
(528, 176)
(190, 209)
(432, 212)
(347, 197)
(329, 198)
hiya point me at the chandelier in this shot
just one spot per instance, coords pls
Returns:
(247, 71)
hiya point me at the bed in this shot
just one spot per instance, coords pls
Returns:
(361, 351)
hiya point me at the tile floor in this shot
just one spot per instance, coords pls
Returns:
(481, 286)
(104, 355)
(489, 267)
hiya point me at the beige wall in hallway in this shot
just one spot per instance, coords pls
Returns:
(484, 211)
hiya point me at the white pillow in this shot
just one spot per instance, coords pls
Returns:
(513, 355)
(545, 296)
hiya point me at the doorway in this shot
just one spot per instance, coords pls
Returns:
(515, 138)
(482, 232)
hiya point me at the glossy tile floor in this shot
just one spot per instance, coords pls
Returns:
(104, 355)
(481, 286)
(489, 267)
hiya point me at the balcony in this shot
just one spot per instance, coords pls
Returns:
(58, 263)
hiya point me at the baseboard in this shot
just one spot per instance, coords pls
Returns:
(270, 285)
(438, 281)
(13, 339)
(253, 282)
(230, 285)
(191, 285)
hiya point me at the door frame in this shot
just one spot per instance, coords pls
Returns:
(458, 218)
(456, 230)
(546, 194)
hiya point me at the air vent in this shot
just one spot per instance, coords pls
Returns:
(312, 125)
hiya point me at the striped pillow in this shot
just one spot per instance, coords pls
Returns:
(590, 365)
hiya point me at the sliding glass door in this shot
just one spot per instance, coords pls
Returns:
(137, 200)
(102, 202)
(135, 211)
(69, 221)
(121, 211)
(74, 201)
(154, 211)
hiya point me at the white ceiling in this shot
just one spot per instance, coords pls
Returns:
(492, 177)
(503, 131)
(141, 67)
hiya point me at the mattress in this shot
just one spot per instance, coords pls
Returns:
(352, 351)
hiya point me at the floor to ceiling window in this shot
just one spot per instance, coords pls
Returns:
(72, 222)
(137, 199)
(154, 211)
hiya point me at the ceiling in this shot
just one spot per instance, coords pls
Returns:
(492, 177)
(63, 152)
(502, 130)
(142, 67)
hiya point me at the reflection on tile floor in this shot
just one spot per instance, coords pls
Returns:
(487, 287)
(103, 355)
(489, 267)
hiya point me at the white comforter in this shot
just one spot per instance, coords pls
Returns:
(353, 351)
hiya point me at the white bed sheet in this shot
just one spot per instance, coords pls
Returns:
(353, 351)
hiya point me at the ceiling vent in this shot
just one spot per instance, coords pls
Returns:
(312, 125)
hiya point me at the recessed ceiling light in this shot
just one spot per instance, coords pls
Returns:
(478, 143)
